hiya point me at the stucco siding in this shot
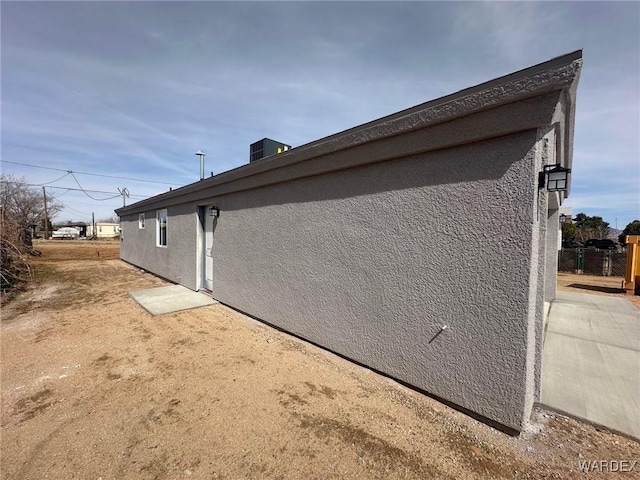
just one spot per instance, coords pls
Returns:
(370, 241)
(372, 261)
(178, 260)
(551, 269)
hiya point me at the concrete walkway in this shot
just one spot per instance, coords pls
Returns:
(591, 360)
(173, 298)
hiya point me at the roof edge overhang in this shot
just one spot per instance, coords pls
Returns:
(545, 91)
(567, 121)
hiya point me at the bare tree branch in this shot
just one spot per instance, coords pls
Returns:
(21, 207)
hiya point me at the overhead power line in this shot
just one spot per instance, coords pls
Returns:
(78, 212)
(93, 174)
(92, 198)
(35, 166)
(55, 197)
(53, 181)
(78, 190)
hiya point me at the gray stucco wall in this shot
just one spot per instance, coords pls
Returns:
(178, 261)
(551, 268)
(371, 262)
(544, 154)
(368, 242)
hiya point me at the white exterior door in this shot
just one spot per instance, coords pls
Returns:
(208, 251)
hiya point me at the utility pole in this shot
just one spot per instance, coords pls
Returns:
(46, 215)
(93, 224)
(125, 193)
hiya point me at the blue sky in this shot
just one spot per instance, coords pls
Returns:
(134, 89)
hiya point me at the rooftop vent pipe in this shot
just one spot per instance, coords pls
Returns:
(200, 154)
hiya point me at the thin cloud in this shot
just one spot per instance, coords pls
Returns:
(138, 87)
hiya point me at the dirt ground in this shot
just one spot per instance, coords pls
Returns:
(611, 286)
(93, 387)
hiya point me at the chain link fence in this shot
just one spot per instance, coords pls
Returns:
(592, 262)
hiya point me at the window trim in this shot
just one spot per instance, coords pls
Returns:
(141, 221)
(161, 240)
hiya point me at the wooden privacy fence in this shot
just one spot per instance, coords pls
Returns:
(592, 262)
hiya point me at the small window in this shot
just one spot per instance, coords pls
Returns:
(141, 221)
(161, 230)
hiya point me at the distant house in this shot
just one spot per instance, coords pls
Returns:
(385, 243)
(104, 230)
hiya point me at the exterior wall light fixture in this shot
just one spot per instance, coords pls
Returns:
(214, 212)
(554, 177)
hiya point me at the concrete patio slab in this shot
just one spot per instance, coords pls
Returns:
(173, 298)
(591, 360)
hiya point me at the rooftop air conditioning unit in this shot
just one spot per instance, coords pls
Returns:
(265, 148)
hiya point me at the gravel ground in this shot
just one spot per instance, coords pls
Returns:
(93, 387)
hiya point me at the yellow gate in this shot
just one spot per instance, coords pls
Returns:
(632, 276)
